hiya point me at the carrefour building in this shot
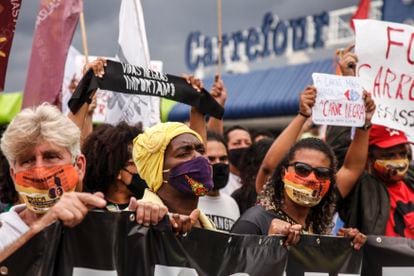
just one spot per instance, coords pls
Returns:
(295, 48)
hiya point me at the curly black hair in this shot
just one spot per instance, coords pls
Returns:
(107, 150)
(8, 193)
(249, 166)
(251, 161)
(320, 216)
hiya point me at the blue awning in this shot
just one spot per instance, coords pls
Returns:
(263, 93)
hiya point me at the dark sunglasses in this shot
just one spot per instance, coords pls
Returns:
(303, 169)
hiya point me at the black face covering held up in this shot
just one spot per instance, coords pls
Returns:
(236, 155)
(220, 175)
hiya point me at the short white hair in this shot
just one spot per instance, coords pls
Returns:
(32, 126)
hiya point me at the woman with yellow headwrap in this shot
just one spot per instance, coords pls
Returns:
(169, 157)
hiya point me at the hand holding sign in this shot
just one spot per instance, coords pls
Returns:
(307, 101)
(347, 60)
(369, 106)
(339, 101)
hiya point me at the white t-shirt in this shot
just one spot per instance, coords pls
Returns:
(12, 226)
(222, 210)
(233, 184)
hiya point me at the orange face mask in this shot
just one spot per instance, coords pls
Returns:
(41, 187)
(305, 191)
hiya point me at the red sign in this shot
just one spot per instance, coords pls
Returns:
(9, 11)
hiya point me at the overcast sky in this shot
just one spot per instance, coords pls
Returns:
(168, 23)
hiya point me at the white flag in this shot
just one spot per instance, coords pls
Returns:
(133, 49)
(71, 71)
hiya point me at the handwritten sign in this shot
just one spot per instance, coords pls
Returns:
(386, 69)
(338, 102)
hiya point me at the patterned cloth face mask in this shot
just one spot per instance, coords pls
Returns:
(41, 187)
(192, 177)
(393, 170)
(304, 188)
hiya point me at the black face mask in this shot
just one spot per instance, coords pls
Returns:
(220, 175)
(236, 155)
(137, 185)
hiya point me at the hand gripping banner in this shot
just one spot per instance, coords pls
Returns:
(134, 80)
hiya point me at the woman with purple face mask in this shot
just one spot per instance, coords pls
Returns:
(169, 157)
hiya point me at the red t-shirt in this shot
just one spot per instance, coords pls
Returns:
(401, 220)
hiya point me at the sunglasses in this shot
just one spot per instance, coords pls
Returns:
(303, 169)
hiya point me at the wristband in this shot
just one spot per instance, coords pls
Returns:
(304, 115)
(366, 126)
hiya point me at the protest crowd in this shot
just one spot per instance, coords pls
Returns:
(339, 180)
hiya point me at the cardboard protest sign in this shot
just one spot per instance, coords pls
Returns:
(73, 73)
(338, 102)
(386, 69)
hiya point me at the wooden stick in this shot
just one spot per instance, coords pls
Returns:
(84, 38)
(219, 36)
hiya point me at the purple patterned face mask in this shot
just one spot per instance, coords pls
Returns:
(192, 177)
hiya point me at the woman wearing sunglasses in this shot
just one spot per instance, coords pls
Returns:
(300, 197)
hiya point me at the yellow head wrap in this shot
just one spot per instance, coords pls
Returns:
(149, 148)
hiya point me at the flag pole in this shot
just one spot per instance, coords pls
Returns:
(84, 38)
(219, 37)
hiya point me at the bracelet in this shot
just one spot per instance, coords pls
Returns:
(366, 126)
(304, 115)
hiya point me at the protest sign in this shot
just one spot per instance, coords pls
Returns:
(135, 80)
(339, 101)
(386, 69)
(111, 243)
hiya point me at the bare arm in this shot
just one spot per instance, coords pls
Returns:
(286, 139)
(197, 119)
(357, 154)
(83, 118)
(219, 93)
(71, 209)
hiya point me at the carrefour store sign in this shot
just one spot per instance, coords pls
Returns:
(274, 37)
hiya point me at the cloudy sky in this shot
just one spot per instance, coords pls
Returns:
(168, 23)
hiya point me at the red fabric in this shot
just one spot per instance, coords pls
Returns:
(9, 11)
(362, 12)
(401, 220)
(55, 26)
(385, 137)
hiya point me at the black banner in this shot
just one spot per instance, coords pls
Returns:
(130, 79)
(113, 244)
(388, 256)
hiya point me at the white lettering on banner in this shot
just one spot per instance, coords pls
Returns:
(80, 271)
(386, 69)
(327, 274)
(339, 101)
(151, 87)
(47, 10)
(400, 271)
(163, 270)
(15, 9)
(143, 72)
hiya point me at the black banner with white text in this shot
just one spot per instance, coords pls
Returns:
(113, 244)
(134, 80)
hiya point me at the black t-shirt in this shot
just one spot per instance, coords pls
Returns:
(255, 221)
